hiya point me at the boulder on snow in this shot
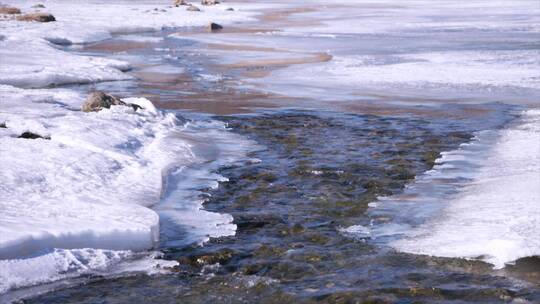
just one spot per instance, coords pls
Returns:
(209, 2)
(98, 101)
(38, 17)
(9, 10)
(214, 27)
(193, 8)
(38, 6)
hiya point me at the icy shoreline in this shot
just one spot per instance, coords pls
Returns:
(76, 201)
(479, 202)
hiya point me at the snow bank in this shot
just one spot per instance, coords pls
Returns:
(87, 185)
(480, 202)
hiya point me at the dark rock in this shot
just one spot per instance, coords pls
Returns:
(193, 8)
(230, 9)
(30, 135)
(38, 6)
(209, 2)
(38, 17)
(214, 27)
(3, 125)
(9, 10)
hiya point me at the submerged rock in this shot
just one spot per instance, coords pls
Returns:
(38, 17)
(193, 8)
(31, 135)
(214, 27)
(218, 257)
(209, 2)
(9, 10)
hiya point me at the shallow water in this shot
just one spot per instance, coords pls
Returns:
(316, 175)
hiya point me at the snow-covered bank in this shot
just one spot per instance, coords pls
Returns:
(479, 202)
(87, 185)
(77, 201)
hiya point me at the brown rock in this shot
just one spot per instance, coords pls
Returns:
(9, 10)
(180, 2)
(209, 2)
(214, 27)
(98, 101)
(38, 17)
(193, 8)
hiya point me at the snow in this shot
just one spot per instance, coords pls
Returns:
(89, 21)
(481, 201)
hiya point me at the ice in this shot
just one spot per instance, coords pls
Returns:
(480, 202)
(36, 63)
(477, 51)
(61, 264)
